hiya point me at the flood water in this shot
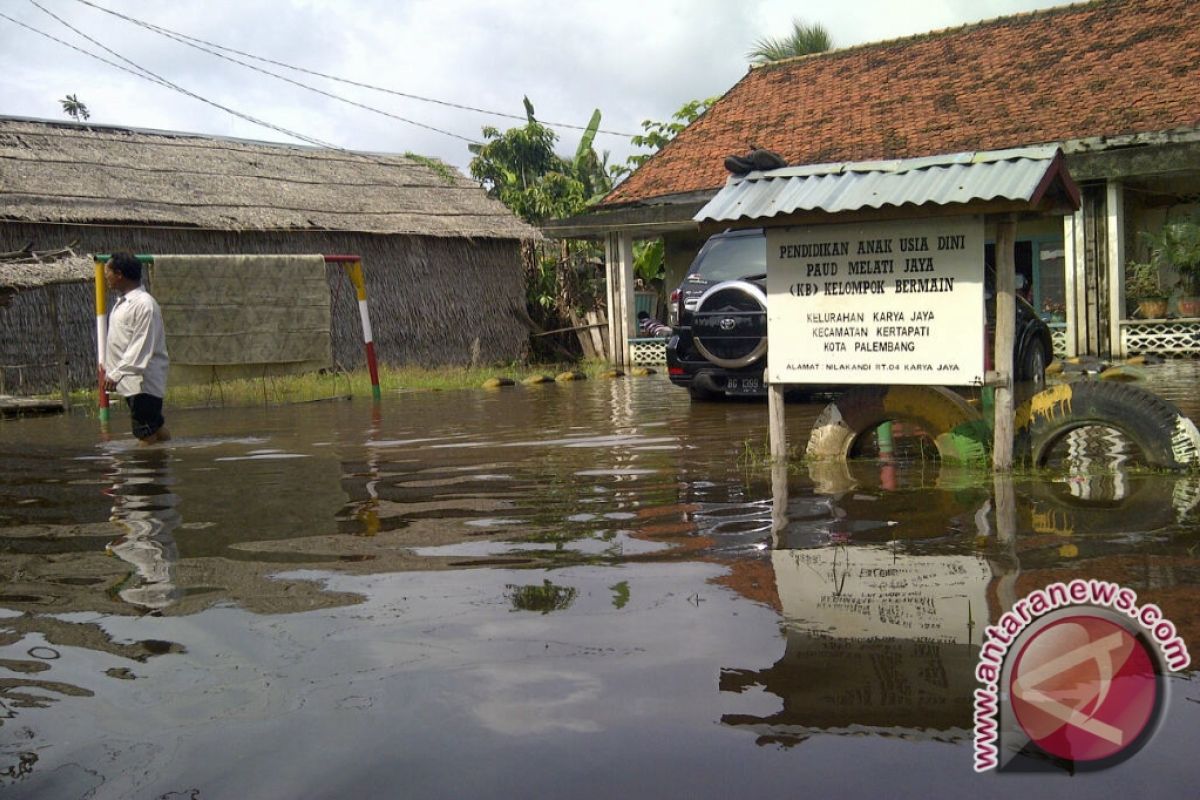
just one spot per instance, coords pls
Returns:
(580, 590)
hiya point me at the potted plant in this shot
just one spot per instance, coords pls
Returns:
(1143, 285)
(1178, 244)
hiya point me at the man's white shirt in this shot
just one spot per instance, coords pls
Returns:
(135, 357)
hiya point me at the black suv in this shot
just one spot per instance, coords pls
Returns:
(719, 318)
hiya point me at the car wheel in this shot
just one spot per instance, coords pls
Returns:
(1033, 365)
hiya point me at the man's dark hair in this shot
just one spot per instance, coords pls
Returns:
(126, 264)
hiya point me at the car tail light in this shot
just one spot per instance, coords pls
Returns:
(675, 370)
(673, 309)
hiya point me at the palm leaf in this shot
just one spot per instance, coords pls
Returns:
(589, 136)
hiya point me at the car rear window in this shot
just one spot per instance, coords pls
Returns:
(732, 258)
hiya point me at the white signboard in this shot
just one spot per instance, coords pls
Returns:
(881, 302)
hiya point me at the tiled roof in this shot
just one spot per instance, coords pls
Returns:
(1107, 68)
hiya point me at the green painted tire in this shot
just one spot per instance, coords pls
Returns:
(958, 431)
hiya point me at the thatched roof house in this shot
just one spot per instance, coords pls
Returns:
(442, 259)
(25, 269)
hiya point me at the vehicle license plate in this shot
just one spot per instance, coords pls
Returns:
(744, 386)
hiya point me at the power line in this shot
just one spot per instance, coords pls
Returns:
(152, 78)
(183, 38)
(274, 75)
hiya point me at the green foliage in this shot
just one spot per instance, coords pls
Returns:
(803, 40)
(541, 282)
(74, 108)
(440, 168)
(648, 261)
(520, 168)
(589, 136)
(1177, 244)
(658, 134)
(1143, 280)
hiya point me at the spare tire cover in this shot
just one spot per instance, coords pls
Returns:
(729, 326)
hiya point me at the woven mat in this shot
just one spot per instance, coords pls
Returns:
(242, 310)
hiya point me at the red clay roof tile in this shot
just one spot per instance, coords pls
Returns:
(1105, 68)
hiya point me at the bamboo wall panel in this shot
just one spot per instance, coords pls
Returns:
(433, 301)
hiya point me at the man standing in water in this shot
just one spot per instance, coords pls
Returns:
(135, 358)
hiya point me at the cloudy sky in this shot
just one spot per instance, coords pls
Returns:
(632, 59)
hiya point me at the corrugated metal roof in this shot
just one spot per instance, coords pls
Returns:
(1017, 174)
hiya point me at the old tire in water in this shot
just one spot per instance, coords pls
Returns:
(1164, 436)
(957, 430)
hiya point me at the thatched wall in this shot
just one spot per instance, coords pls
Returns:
(433, 301)
(27, 357)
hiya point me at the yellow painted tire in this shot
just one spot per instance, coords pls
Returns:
(1164, 436)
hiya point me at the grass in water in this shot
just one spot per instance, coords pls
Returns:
(757, 457)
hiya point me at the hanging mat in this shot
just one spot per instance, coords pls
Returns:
(244, 310)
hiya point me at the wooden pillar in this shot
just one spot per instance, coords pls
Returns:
(618, 270)
(101, 341)
(358, 279)
(1114, 343)
(1072, 248)
(1006, 307)
(779, 502)
(1091, 311)
(776, 423)
(628, 306)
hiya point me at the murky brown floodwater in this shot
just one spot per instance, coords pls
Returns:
(569, 590)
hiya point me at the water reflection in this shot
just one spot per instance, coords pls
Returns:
(544, 598)
(881, 631)
(1093, 448)
(145, 509)
(901, 688)
(331, 563)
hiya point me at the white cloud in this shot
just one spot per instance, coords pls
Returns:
(633, 60)
(519, 700)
